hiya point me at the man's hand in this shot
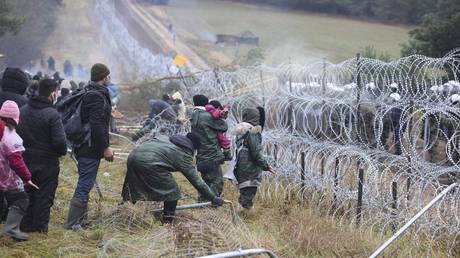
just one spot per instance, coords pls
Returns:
(218, 201)
(108, 154)
(30, 183)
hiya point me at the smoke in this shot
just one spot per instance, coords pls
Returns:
(137, 62)
(202, 29)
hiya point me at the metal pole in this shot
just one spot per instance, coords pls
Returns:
(360, 197)
(302, 170)
(242, 253)
(410, 222)
(204, 205)
(336, 183)
(426, 137)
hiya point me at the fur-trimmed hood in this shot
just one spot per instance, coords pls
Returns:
(243, 128)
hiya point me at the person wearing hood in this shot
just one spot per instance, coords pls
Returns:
(210, 155)
(150, 166)
(96, 109)
(449, 129)
(392, 122)
(68, 68)
(45, 141)
(14, 86)
(250, 161)
(160, 109)
(51, 64)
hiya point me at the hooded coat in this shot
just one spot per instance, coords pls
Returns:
(150, 165)
(14, 85)
(207, 127)
(250, 160)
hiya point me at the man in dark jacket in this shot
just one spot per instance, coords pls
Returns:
(44, 139)
(210, 155)
(14, 85)
(96, 110)
(149, 175)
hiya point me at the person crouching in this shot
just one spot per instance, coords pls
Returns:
(149, 175)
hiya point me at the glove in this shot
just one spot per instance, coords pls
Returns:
(218, 201)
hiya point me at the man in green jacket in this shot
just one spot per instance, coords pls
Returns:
(149, 175)
(210, 155)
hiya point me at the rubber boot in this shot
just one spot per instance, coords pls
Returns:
(169, 211)
(77, 212)
(11, 228)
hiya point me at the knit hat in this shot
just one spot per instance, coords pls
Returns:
(195, 140)
(216, 104)
(99, 71)
(15, 80)
(10, 110)
(200, 100)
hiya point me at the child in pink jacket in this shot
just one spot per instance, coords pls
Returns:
(220, 112)
(14, 173)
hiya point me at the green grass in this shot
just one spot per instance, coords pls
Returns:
(286, 34)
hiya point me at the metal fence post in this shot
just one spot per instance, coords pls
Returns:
(360, 196)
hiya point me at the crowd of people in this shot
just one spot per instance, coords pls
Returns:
(36, 130)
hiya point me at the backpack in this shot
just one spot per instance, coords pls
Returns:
(76, 132)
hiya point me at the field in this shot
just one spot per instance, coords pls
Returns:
(284, 34)
(287, 227)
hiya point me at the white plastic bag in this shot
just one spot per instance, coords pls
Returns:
(230, 174)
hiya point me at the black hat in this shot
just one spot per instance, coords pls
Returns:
(15, 80)
(99, 72)
(216, 104)
(200, 100)
(195, 140)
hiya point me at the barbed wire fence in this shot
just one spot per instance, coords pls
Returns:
(367, 140)
(339, 140)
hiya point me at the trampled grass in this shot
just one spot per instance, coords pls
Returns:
(287, 227)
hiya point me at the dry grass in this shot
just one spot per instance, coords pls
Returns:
(287, 227)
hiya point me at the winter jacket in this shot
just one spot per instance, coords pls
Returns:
(19, 99)
(96, 110)
(216, 113)
(42, 130)
(250, 160)
(149, 170)
(207, 127)
(13, 171)
(163, 109)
